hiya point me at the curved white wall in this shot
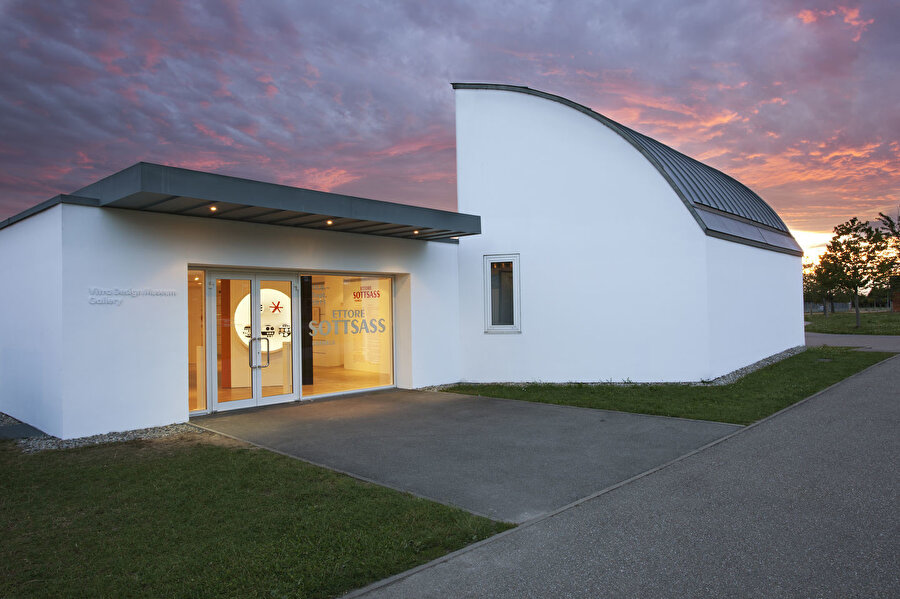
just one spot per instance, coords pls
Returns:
(613, 266)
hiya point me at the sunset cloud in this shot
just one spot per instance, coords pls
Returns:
(798, 100)
(850, 16)
(321, 179)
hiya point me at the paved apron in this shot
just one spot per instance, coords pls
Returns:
(509, 460)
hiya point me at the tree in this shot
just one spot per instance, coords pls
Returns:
(817, 286)
(825, 279)
(890, 226)
(854, 258)
(890, 267)
(810, 285)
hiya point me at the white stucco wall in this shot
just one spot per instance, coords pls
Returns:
(755, 304)
(618, 281)
(613, 266)
(30, 320)
(126, 366)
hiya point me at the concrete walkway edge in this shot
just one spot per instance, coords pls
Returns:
(412, 571)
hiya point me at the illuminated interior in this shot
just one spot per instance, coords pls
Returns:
(345, 335)
(277, 326)
(196, 284)
(351, 330)
(234, 375)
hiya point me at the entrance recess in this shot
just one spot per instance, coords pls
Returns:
(258, 337)
(251, 338)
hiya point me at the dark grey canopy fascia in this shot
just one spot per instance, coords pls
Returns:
(54, 201)
(722, 206)
(170, 190)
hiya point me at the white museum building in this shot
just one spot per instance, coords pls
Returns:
(582, 251)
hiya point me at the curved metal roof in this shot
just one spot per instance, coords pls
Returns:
(723, 206)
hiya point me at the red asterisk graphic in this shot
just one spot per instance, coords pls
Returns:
(276, 307)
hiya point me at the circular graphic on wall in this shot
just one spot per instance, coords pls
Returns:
(275, 318)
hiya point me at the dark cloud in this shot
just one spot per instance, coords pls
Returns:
(798, 100)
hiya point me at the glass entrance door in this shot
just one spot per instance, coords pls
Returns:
(251, 347)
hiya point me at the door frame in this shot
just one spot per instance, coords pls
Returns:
(255, 276)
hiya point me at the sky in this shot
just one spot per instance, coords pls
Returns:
(798, 100)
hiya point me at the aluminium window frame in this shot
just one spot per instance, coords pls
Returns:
(516, 326)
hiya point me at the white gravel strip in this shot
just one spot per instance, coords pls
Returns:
(731, 377)
(7, 420)
(47, 442)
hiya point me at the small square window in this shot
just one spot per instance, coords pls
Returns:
(501, 287)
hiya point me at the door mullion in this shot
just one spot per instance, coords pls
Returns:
(256, 353)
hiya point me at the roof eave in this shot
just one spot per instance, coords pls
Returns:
(171, 190)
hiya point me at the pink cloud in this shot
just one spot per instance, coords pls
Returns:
(850, 17)
(415, 144)
(269, 84)
(212, 134)
(323, 179)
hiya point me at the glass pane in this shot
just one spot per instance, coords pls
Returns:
(196, 340)
(233, 332)
(276, 328)
(351, 324)
(502, 293)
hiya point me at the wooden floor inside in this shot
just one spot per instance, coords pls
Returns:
(335, 379)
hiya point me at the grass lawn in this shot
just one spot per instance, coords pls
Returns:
(871, 323)
(753, 397)
(187, 517)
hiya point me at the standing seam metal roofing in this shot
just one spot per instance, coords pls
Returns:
(712, 197)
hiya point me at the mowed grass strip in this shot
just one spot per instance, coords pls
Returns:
(751, 398)
(193, 519)
(871, 323)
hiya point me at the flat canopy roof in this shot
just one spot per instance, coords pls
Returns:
(170, 190)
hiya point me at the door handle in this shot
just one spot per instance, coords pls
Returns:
(250, 352)
(266, 339)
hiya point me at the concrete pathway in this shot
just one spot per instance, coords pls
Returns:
(803, 504)
(509, 460)
(863, 342)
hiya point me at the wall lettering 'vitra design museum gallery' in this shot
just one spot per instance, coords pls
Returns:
(164, 292)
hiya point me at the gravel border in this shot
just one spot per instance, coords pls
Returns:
(7, 420)
(725, 379)
(48, 442)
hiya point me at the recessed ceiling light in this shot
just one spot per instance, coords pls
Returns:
(212, 208)
(415, 232)
(329, 222)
